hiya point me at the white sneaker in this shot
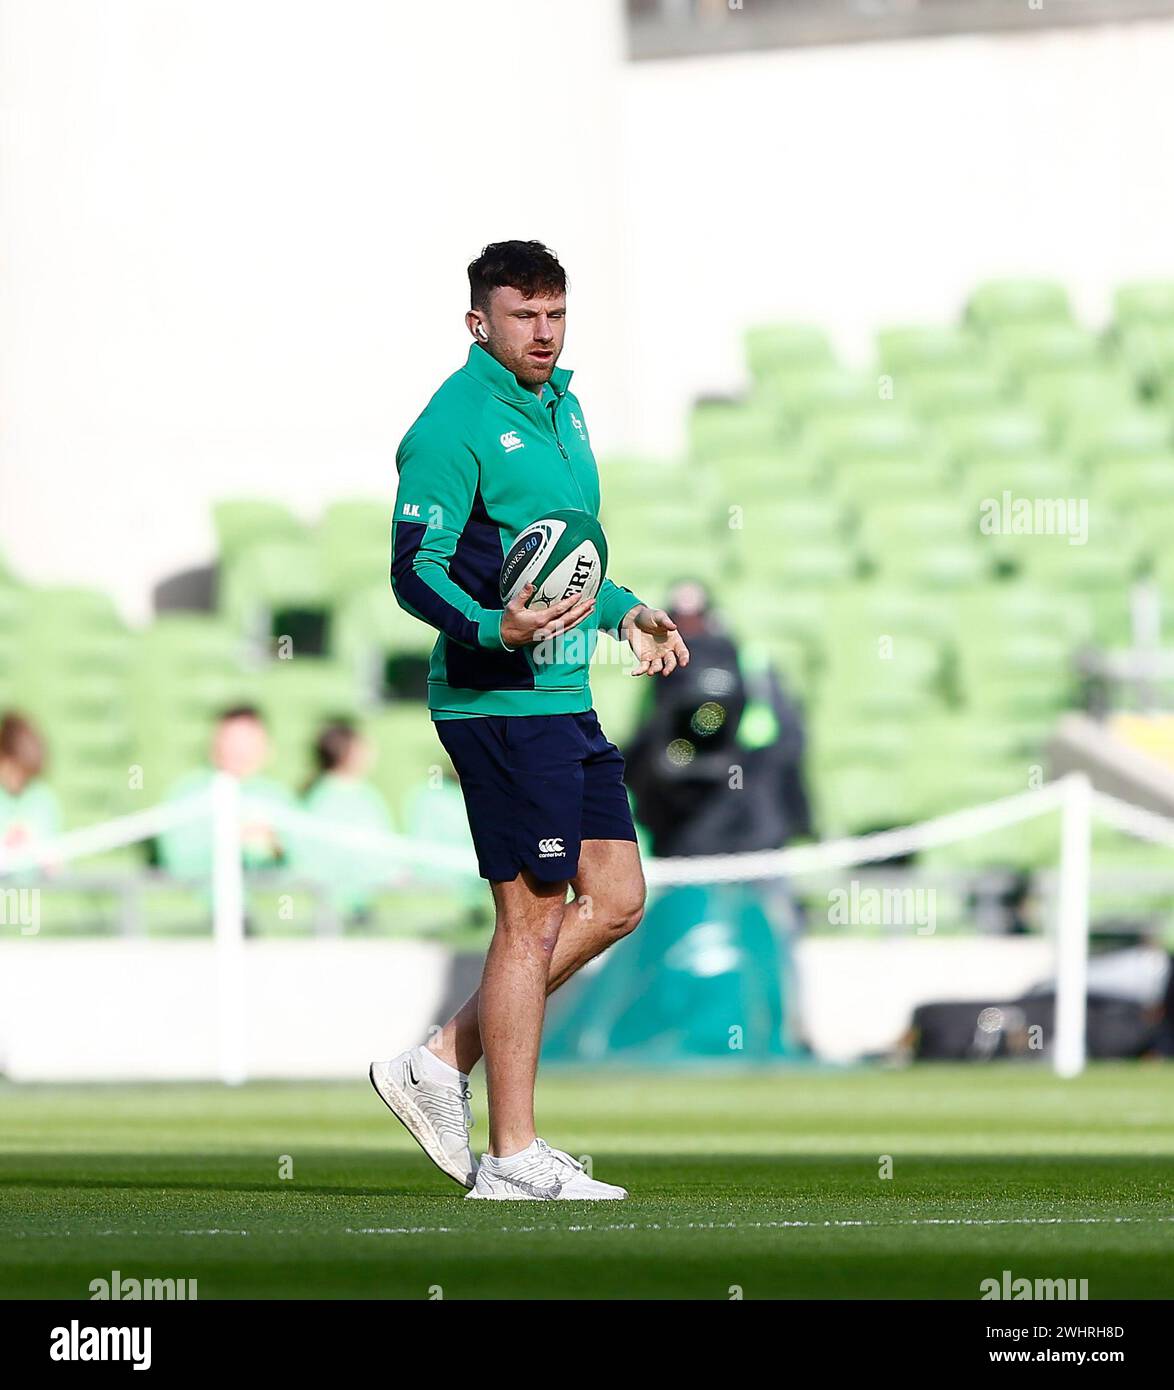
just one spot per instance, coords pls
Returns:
(437, 1116)
(539, 1174)
(580, 1186)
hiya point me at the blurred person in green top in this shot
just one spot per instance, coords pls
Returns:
(341, 795)
(240, 747)
(29, 810)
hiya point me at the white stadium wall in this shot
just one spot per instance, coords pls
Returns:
(119, 1010)
(148, 1010)
(234, 232)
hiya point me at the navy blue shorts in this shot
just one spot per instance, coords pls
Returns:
(535, 787)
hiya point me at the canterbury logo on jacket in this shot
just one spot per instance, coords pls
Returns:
(484, 460)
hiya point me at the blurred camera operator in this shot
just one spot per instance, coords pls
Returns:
(716, 769)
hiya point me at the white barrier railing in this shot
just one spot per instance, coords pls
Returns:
(1071, 795)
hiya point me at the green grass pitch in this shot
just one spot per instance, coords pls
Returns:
(761, 1182)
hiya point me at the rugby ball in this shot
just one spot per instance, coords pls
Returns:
(561, 554)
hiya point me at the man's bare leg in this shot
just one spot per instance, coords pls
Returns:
(511, 1004)
(608, 904)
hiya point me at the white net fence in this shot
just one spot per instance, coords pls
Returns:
(406, 858)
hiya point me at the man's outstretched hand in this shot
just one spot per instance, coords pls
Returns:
(653, 636)
(521, 625)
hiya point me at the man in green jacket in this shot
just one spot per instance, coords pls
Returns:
(501, 444)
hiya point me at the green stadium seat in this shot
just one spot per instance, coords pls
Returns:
(880, 432)
(1132, 485)
(720, 427)
(296, 699)
(957, 738)
(862, 485)
(1159, 550)
(1026, 349)
(855, 801)
(1109, 561)
(1041, 475)
(1030, 845)
(777, 615)
(952, 566)
(57, 614)
(682, 515)
(837, 738)
(1102, 438)
(803, 564)
(652, 569)
(833, 391)
(90, 792)
(1146, 351)
(271, 576)
(188, 667)
(309, 687)
(13, 604)
(357, 520)
(348, 569)
(407, 753)
(354, 539)
(893, 610)
(937, 348)
(1151, 527)
(749, 478)
(1078, 394)
(184, 643)
(790, 659)
(1144, 302)
(618, 697)
(369, 628)
(860, 664)
(635, 481)
(1024, 608)
(1014, 674)
(942, 784)
(999, 303)
(72, 696)
(241, 523)
(1111, 614)
(915, 524)
(1014, 431)
(1115, 853)
(948, 391)
(784, 346)
(790, 521)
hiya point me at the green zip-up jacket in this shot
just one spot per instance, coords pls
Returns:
(484, 460)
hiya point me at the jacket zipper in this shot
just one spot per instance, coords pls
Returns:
(553, 407)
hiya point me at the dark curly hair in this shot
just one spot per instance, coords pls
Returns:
(527, 266)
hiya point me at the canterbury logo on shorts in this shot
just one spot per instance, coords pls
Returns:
(550, 849)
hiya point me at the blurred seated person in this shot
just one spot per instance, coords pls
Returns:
(341, 795)
(240, 747)
(29, 810)
(717, 766)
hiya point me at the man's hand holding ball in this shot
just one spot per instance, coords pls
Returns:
(520, 626)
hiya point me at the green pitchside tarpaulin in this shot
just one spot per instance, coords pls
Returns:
(705, 977)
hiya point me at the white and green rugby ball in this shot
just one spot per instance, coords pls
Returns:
(561, 554)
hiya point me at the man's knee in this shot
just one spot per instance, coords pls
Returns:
(533, 917)
(625, 912)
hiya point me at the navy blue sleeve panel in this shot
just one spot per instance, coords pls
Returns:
(438, 478)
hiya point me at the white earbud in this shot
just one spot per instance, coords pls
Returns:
(481, 333)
